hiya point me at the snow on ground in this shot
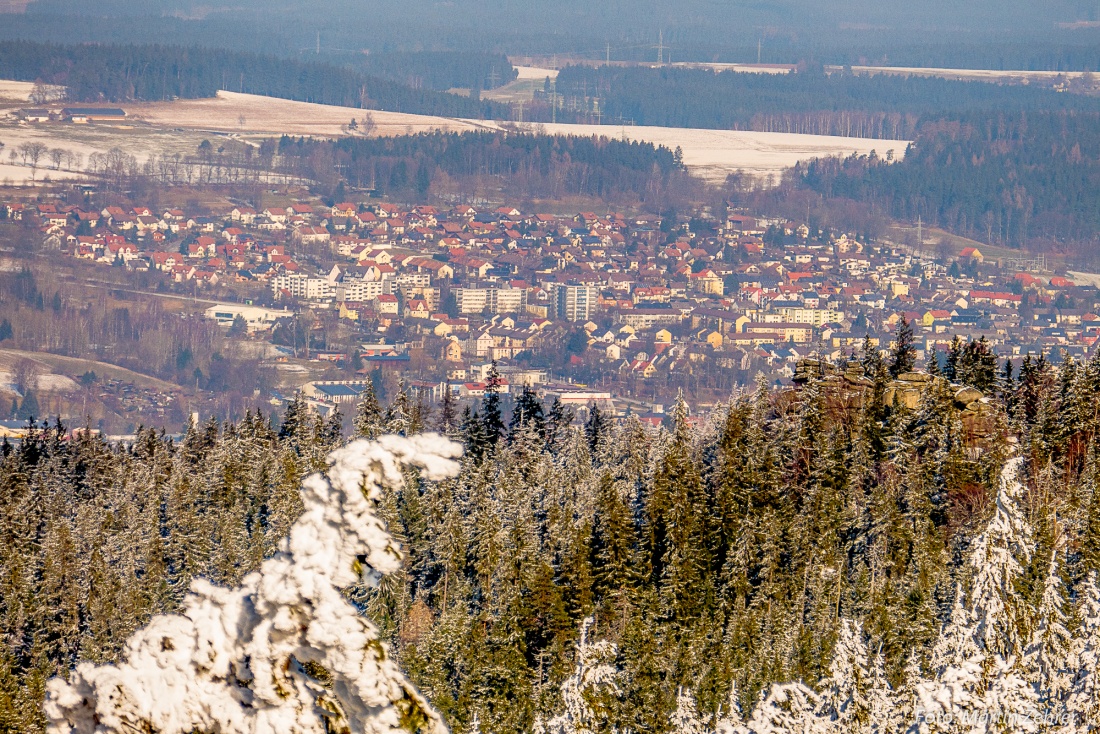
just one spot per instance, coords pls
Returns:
(1079, 278)
(46, 383)
(178, 127)
(712, 154)
(21, 175)
(15, 91)
(535, 72)
(269, 115)
(741, 68)
(976, 74)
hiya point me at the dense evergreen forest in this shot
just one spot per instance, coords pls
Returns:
(119, 73)
(1011, 178)
(806, 102)
(439, 70)
(529, 165)
(778, 539)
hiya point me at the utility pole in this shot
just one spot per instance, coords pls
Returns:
(920, 235)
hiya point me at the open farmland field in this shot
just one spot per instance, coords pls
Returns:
(168, 128)
(979, 75)
(249, 114)
(18, 92)
(712, 154)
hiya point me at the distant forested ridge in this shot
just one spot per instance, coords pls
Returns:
(119, 73)
(440, 70)
(1010, 178)
(982, 33)
(806, 102)
(532, 164)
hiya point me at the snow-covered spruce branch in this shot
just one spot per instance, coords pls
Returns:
(238, 661)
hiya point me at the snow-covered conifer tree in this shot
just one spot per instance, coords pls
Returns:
(369, 420)
(685, 718)
(1050, 642)
(844, 700)
(1083, 700)
(594, 679)
(251, 659)
(788, 708)
(995, 561)
(884, 713)
(730, 720)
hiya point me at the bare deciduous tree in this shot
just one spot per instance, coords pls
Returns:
(25, 374)
(32, 153)
(368, 126)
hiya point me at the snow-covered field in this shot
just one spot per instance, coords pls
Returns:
(535, 72)
(989, 75)
(15, 91)
(712, 154)
(178, 127)
(21, 175)
(45, 383)
(740, 68)
(249, 114)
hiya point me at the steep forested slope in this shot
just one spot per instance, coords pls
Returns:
(780, 539)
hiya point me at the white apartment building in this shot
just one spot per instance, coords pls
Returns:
(574, 302)
(300, 285)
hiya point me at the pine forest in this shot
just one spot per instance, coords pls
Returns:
(825, 558)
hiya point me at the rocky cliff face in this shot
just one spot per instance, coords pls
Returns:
(905, 391)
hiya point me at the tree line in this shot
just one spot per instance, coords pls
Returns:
(808, 101)
(1014, 178)
(440, 70)
(529, 164)
(778, 539)
(123, 73)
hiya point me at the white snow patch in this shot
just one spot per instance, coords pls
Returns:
(535, 72)
(714, 154)
(45, 383)
(18, 91)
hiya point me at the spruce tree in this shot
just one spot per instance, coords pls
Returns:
(996, 563)
(29, 409)
(870, 358)
(1048, 651)
(369, 422)
(492, 418)
(527, 412)
(903, 355)
(595, 428)
(954, 356)
(398, 417)
(447, 422)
